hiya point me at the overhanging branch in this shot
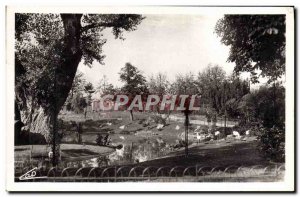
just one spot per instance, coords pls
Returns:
(96, 25)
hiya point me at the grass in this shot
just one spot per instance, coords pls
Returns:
(68, 151)
(133, 132)
(214, 153)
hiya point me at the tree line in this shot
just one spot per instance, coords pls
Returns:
(220, 95)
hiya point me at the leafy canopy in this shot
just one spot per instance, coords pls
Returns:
(257, 43)
(134, 81)
(40, 47)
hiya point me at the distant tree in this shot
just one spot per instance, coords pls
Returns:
(89, 89)
(78, 103)
(105, 88)
(77, 87)
(134, 83)
(110, 89)
(256, 106)
(185, 85)
(78, 83)
(272, 114)
(246, 108)
(210, 84)
(101, 86)
(233, 90)
(257, 42)
(220, 95)
(158, 85)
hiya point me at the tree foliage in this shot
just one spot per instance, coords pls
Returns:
(134, 81)
(220, 94)
(40, 46)
(210, 82)
(105, 88)
(257, 43)
(78, 103)
(184, 84)
(158, 84)
(265, 105)
(272, 143)
(49, 48)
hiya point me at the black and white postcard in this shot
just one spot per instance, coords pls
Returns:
(148, 98)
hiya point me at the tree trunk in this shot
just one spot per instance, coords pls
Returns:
(71, 57)
(131, 115)
(41, 119)
(18, 124)
(38, 118)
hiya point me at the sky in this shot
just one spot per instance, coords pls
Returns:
(170, 44)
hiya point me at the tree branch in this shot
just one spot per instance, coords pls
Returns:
(95, 25)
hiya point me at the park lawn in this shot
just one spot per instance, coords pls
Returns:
(134, 131)
(68, 151)
(214, 154)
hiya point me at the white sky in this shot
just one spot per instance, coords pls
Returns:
(170, 44)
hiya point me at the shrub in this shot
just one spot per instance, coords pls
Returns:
(272, 143)
(78, 103)
(159, 119)
(99, 140)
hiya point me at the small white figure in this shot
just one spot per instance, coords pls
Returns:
(236, 135)
(248, 132)
(122, 137)
(200, 137)
(50, 155)
(159, 126)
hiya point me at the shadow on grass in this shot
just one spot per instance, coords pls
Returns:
(242, 154)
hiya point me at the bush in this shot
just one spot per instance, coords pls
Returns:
(27, 137)
(99, 140)
(78, 103)
(272, 143)
(159, 119)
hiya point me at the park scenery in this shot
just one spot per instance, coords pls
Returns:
(159, 98)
